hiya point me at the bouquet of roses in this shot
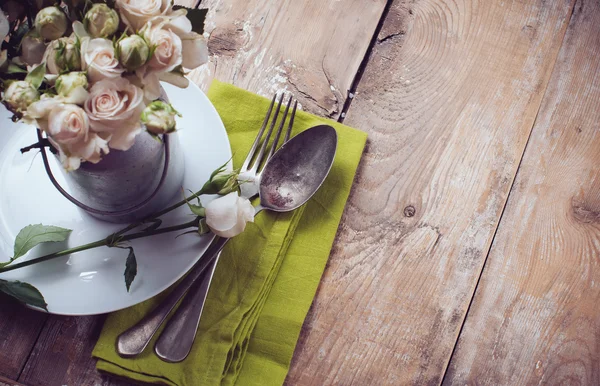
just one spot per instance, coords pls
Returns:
(88, 73)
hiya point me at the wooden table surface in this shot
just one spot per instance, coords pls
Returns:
(469, 252)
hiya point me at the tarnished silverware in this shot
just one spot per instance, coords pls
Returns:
(177, 338)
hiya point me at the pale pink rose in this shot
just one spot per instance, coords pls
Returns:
(114, 107)
(136, 13)
(168, 47)
(68, 130)
(194, 47)
(100, 60)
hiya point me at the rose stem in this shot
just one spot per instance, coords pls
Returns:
(99, 243)
(159, 213)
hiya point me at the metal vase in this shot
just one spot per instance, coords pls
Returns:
(115, 189)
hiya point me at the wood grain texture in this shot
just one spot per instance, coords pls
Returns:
(19, 329)
(62, 354)
(535, 318)
(448, 99)
(312, 48)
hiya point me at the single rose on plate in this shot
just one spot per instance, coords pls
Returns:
(69, 131)
(114, 107)
(100, 60)
(227, 216)
(136, 13)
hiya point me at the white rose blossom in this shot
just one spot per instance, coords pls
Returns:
(68, 130)
(135, 13)
(114, 107)
(227, 216)
(100, 60)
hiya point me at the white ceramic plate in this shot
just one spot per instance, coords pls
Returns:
(92, 282)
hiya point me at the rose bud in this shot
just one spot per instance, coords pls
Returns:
(20, 94)
(159, 118)
(67, 83)
(227, 216)
(133, 52)
(222, 181)
(51, 23)
(63, 55)
(101, 21)
(32, 48)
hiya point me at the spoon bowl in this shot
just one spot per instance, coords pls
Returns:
(297, 170)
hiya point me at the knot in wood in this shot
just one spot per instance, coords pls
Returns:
(409, 211)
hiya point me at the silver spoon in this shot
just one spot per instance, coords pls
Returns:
(290, 178)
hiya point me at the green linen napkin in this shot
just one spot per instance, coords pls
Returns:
(266, 278)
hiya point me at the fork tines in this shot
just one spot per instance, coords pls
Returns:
(257, 160)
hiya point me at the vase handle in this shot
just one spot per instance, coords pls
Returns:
(89, 209)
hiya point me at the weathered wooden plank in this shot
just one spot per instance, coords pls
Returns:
(534, 318)
(19, 329)
(448, 99)
(62, 354)
(311, 48)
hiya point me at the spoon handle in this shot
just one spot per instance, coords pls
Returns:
(133, 341)
(176, 340)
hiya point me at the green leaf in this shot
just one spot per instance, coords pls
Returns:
(24, 292)
(36, 76)
(130, 268)
(198, 210)
(196, 16)
(203, 227)
(32, 235)
(14, 69)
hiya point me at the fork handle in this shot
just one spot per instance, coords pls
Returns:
(133, 341)
(176, 340)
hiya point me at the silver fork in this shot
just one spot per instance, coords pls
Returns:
(176, 340)
(178, 336)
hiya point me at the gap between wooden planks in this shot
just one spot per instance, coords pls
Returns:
(310, 48)
(535, 317)
(449, 99)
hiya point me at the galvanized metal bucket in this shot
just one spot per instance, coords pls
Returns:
(126, 186)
